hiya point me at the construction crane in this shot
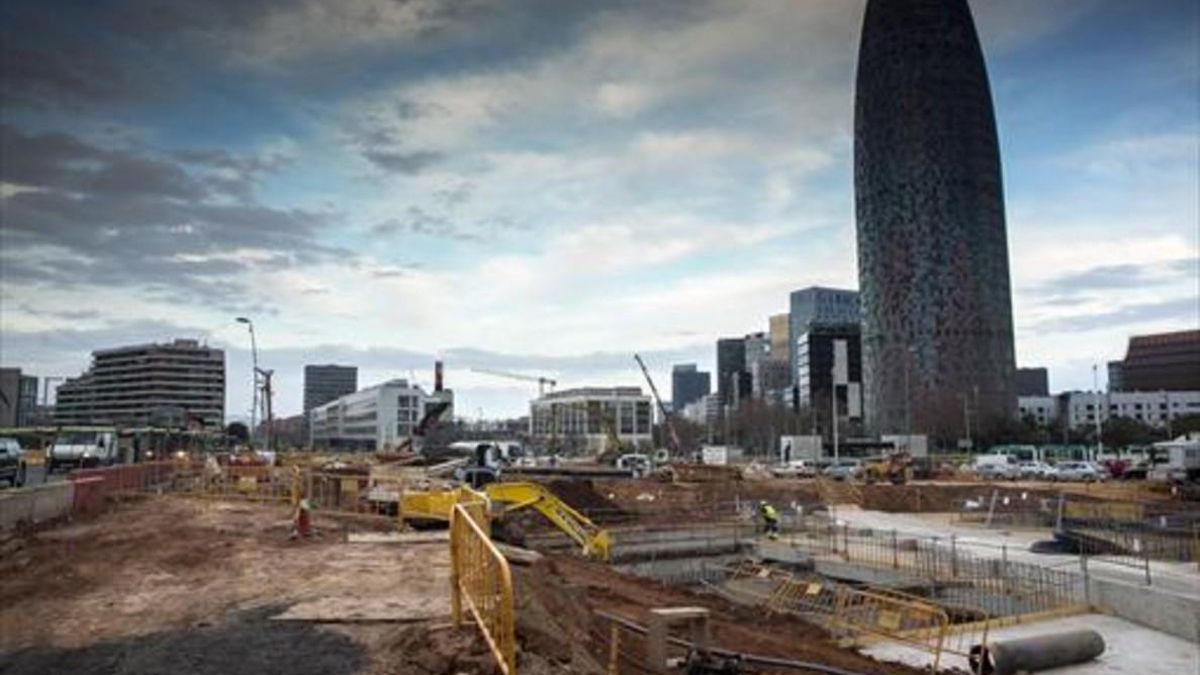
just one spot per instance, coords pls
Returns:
(672, 436)
(541, 381)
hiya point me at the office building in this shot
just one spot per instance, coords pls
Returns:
(819, 306)
(779, 327)
(1032, 382)
(323, 384)
(1116, 376)
(815, 350)
(688, 385)
(18, 398)
(575, 420)
(376, 418)
(758, 352)
(932, 244)
(733, 382)
(1159, 362)
(705, 412)
(174, 384)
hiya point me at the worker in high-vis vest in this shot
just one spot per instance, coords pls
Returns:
(770, 519)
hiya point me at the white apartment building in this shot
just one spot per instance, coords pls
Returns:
(375, 418)
(574, 419)
(1081, 407)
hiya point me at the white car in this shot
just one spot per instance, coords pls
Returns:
(797, 468)
(1078, 471)
(1035, 470)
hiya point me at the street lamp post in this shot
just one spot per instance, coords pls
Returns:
(254, 384)
(912, 351)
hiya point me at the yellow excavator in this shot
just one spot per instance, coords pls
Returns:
(896, 469)
(504, 498)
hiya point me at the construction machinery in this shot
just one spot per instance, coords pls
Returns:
(896, 469)
(541, 381)
(505, 498)
(672, 435)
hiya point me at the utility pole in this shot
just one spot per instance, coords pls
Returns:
(912, 350)
(967, 421)
(1099, 437)
(1167, 403)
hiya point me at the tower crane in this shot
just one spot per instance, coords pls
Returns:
(541, 381)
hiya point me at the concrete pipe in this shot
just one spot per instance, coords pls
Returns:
(1032, 654)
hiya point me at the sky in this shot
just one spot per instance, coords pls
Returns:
(543, 186)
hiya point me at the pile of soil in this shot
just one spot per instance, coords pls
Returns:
(582, 496)
(557, 621)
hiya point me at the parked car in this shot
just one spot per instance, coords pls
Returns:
(996, 467)
(1078, 471)
(12, 462)
(846, 469)
(797, 468)
(1034, 470)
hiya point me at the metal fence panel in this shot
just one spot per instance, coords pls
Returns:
(480, 578)
(32, 506)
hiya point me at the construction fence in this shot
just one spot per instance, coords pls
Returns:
(481, 580)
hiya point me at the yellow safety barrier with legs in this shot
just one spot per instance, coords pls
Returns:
(480, 578)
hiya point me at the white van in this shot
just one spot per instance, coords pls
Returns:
(996, 467)
(83, 448)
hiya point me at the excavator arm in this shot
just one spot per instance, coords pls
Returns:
(595, 541)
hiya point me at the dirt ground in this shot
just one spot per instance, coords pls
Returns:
(177, 585)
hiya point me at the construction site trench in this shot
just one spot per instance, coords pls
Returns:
(155, 583)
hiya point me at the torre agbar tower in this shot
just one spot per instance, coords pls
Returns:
(932, 249)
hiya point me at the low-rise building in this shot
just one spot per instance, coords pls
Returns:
(1081, 407)
(575, 420)
(376, 418)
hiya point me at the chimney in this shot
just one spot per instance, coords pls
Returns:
(437, 375)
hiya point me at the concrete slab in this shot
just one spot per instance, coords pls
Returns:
(1131, 649)
(1177, 578)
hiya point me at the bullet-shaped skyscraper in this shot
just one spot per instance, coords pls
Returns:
(932, 248)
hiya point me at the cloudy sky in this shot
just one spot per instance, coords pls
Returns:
(546, 186)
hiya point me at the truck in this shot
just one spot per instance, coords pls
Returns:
(82, 448)
(1183, 460)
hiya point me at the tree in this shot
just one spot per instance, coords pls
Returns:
(1186, 424)
(239, 432)
(1119, 432)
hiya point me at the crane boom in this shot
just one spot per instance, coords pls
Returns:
(673, 436)
(541, 381)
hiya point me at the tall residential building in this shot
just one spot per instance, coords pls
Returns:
(18, 398)
(731, 371)
(376, 418)
(1159, 362)
(173, 384)
(323, 384)
(932, 244)
(817, 305)
(575, 419)
(688, 385)
(1032, 382)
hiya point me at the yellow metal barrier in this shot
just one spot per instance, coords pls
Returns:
(918, 624)
(480, 576)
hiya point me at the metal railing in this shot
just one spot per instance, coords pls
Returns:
(481, 579)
